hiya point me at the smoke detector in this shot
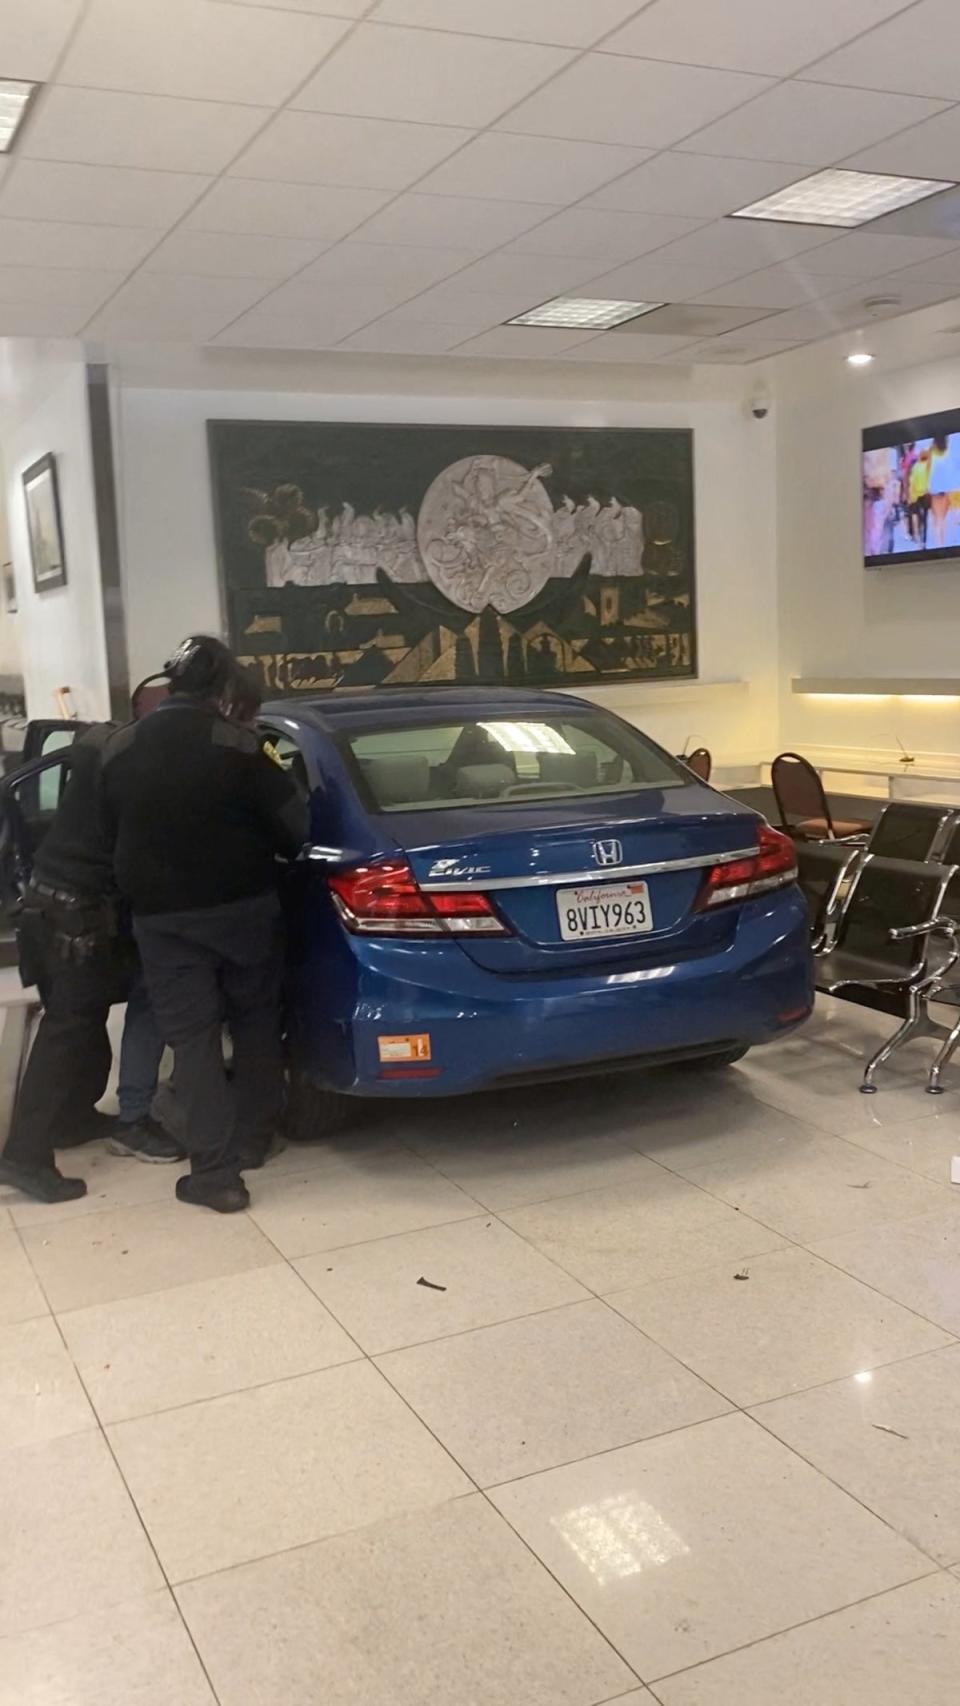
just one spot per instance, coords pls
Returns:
(876, 305)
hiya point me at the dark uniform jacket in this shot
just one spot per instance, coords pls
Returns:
(196, 810)
(76, 855)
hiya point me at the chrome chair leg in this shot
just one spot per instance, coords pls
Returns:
(914, 1022)
(934, 1087)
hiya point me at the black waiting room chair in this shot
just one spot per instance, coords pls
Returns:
(803, 806)
(908, 829)
(826, 871)
(896, 944)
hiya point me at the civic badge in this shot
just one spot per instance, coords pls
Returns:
(608, 852)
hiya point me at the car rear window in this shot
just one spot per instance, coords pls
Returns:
(501, 760)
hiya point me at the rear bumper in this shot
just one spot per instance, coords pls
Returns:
(486, 1029)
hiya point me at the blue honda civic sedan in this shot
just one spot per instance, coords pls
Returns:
(511, 886)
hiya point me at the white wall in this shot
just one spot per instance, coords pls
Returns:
(9, 624)
(44, 409)
(837, 619)
(168, 548)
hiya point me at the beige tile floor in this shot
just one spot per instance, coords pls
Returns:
(673, 1421)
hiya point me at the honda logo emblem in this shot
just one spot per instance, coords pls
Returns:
(608, 852)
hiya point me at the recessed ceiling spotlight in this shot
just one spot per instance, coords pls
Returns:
(15, 98)
(596, 314)
(859, 358)
(839, 197)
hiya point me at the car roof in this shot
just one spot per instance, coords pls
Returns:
(339, 710)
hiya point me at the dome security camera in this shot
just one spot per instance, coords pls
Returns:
(759, 405)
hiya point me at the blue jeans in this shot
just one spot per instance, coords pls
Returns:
(141, 1052)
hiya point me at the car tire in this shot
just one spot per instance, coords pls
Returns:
(314, 1112)
(715, 1062)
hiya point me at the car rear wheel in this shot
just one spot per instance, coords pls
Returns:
(714, 1062)
(313, 1112)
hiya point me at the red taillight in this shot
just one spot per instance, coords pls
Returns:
(773, 866)
(385, 899)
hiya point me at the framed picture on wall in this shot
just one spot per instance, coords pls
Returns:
(44, 525)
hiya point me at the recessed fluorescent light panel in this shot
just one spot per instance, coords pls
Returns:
(594, 314)
(15, 98)
(837, 197)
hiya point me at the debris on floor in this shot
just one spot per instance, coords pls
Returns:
(743, 1274)
(882, 1429)
(430, 1284)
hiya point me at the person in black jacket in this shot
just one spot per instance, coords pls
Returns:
(76, 948)
(198, 816)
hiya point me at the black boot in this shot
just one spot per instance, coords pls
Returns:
(87, 1130)
(44, 1184)
(225, 1193)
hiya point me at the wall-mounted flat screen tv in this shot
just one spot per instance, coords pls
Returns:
(911, 490)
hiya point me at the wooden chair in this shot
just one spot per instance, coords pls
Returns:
(804, 809)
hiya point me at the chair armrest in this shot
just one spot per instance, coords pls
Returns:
(905, 932)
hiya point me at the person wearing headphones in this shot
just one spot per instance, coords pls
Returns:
(198, 816)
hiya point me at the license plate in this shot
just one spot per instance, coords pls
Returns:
(604, 909)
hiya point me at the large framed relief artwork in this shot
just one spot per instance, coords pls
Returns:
(394, 556)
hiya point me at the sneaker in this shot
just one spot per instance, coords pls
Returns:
(225, 1193)
(93, 1126)
(146, 1140)
(254, 1154)
(44, 1184)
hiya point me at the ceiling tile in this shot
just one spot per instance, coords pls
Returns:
(97, 195)
(525, 343)
(786, 286)
(390, 336)
(58, 285)
(183, 292)
(737, 352)
(652, 279)
(810, 122)
(638, 102)
(453, 222)
(569, 23)
(748, 35)
(40, 320)
(530, 168)
(937, 216)
(293, 319)
(865, 254)
(731, 247)
(928, 150)
(602, 234)
(34, 34)
(698, 186)
(217, 255)
(100, 127)
(366, 153)
(449, 305)
(529, 278)
(426, 75)
(945, 269)
(620, 348)
(401, 269)
(198, 48)
(322, 8)
(39, 243)
(916, 53)
(693, 320)
(239, 206)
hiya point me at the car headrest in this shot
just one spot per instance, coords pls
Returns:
(399, 781)
(483, 781)
(578, 769)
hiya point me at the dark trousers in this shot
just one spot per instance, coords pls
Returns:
(69, 1063)
(203, 967)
